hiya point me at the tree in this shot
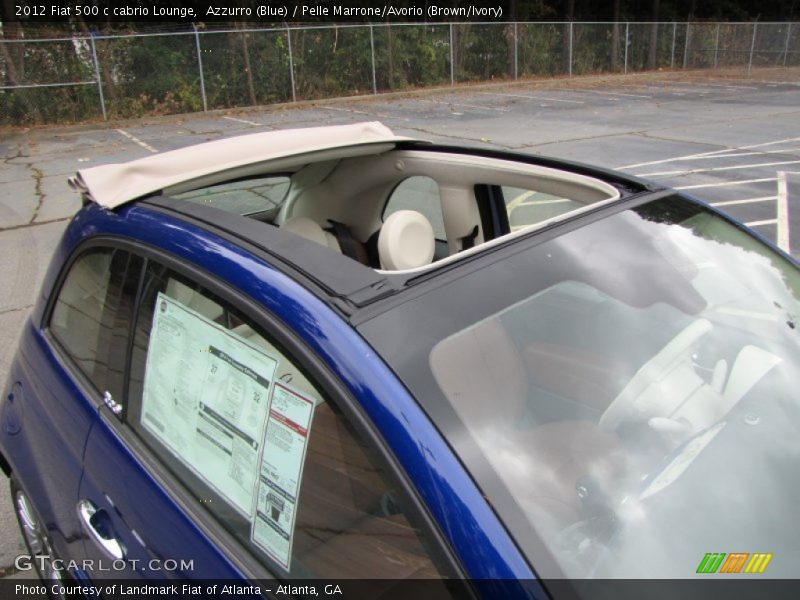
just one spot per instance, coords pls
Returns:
(13, 54)
(247, 68)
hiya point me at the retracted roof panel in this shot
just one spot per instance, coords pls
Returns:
(113, 185)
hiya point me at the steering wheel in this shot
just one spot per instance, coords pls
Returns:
(624, 407)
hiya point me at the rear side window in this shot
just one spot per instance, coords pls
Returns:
(92, 313)
(528, 207)
(247, 197)
(421, 194)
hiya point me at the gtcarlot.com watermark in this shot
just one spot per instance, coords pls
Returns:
(44, 562)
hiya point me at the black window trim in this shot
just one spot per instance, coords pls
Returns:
(303, 357)
(492, 209)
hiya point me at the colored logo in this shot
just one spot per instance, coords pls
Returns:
(735, 562)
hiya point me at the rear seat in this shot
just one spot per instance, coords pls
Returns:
(338, 237)
(311, 231)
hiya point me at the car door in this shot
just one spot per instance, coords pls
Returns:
(57, 380)
(138, 521)
(227, 459)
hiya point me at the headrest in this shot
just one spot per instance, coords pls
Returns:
(406, 241)
(311, 230)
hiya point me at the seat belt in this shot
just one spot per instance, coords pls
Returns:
(468, 241)
(350, 246)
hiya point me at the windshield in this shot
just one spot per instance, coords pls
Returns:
(628, 391)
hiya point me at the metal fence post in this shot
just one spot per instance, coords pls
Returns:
(786, 46)
(291, 63)
(516, 53)
(200, 68)
(452, 54)
(752, 47)
(97, 77)
(627, 41)
(570, 48)
(716, 47)
(372, 47)
(686, 45)
(674, 35)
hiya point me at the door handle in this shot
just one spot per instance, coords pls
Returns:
(92, 522)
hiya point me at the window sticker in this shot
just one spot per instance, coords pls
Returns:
(281, 472)
(206, 393)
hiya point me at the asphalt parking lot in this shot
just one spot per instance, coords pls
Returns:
(730, 140)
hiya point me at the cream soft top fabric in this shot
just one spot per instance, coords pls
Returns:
(115, 184)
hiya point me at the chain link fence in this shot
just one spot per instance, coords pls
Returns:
(120, 76)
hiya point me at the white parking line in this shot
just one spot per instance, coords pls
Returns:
(794, 83)
(533, 97)
(518, 200)
(245, 121)
(744, 201)
(782, 239)
(723, 184)
(677, 91)
(136, 140)
(547, 201)
(358, 112)
(683, 172)
(740, 154)
(729, 86)
(613, 93)
(764, 222)
(710, 153)
(464, 105)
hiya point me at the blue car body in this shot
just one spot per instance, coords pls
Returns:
(59, 440)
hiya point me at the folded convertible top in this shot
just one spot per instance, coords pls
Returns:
(115, 184)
